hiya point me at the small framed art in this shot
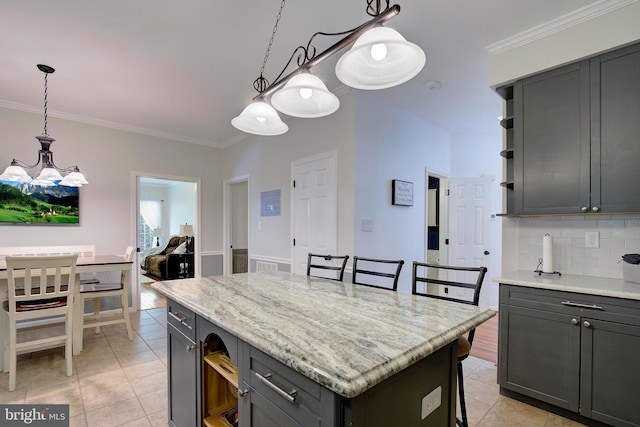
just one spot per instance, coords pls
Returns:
(401, 193)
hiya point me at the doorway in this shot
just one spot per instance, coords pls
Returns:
(236, 225)
(164, 207)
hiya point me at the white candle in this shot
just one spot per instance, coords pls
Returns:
(547, 253)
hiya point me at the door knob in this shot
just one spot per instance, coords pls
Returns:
(574, 321)
(587, 324)
(486, 252)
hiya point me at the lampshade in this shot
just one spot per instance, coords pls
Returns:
(186, 230)
(260, 118)
(49, 174)
(15, 173)
(379, 59)
(305, 95)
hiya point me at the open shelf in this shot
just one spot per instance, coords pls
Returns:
(507, 154)
(223, 365)
(507, 184)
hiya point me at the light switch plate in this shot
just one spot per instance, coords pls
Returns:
(366, 225)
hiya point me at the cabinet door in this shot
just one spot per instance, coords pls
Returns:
(257, 411)
(615, 130)
(182, 357)
(551, 141)
(610, 377)
(539, 354)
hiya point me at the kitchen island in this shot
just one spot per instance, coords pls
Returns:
(570, 344)
(318, 352)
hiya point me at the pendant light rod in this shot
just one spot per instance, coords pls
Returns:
(383, 17)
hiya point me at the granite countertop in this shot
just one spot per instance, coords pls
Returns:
(600, 286)
(345, 337)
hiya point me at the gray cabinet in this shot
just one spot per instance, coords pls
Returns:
(575, 137)
(576, 352)
(182, 354)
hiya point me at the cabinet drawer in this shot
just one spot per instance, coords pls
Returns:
(576, 304)
(182, 319)
(294, 393)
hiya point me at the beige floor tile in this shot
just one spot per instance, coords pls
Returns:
(558, 421)
(159, 419)
(136, 372)
(78, 421)
(150, 383)
(140, 422)
(95, 398)
(154, 401)
(132, 359)
(116, 414)
(157, 343)
(67, 393)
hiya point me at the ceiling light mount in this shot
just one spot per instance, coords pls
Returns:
(380, 58)
(50, 174)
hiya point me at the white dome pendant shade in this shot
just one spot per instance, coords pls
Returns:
(15, 174)
(379, 59)
(306, 96)
(260, 118)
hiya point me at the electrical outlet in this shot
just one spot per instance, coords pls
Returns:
(591, 239)
(431, 402)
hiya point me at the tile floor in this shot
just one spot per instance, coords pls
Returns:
(121, 383)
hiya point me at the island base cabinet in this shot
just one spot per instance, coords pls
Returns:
(421, 395)
(182, 377)
(577, 352)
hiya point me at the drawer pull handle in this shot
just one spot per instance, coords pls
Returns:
(180, 319)
(588, 306)
(289, 396)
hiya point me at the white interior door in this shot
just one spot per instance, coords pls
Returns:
(315, 210)
(469, 224)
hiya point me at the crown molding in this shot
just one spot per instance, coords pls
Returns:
(558, 24)
(104, 123)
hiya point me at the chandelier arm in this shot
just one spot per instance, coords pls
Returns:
(16, 162)
(352, 35)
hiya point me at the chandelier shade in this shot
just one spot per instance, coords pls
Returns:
(260, 118)
(306, 96)
(379, 59)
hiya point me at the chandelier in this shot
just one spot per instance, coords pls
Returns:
(49, 174)
(379, 58)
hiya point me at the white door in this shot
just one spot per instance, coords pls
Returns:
(315, 208)
(469, 223)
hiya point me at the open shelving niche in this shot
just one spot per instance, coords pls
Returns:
(507, 153)
(221, 383)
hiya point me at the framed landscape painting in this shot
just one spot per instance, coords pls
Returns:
(31, 204)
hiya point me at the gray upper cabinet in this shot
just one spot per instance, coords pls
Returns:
(576, 137)
(551, 147)
(615, 130)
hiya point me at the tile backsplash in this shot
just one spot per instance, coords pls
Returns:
(619, 235)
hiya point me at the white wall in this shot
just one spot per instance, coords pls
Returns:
(181, 204)
(239, 209)
(267, 161)
(393, 144)
(107, 157)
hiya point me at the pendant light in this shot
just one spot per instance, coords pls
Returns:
(260, 118)
(379, 59)
(50, 174)
(305, 95)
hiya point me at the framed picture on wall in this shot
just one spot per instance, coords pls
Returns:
(401, 193)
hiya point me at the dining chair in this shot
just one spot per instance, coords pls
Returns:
(39, 287)
(378, 273)
(330, 265)
(94, 292)
(451, 283)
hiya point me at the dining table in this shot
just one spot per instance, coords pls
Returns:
(84, 264)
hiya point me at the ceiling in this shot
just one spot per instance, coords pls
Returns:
(184, 69)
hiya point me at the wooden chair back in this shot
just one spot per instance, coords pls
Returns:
(328, 264)
(43, 278)
(378, 273)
